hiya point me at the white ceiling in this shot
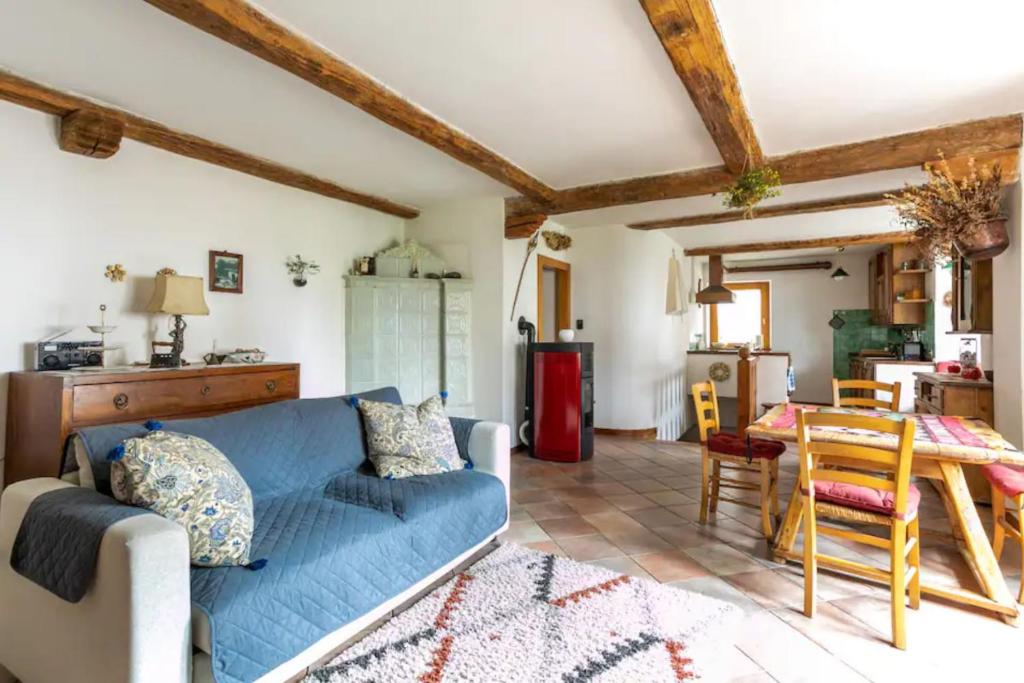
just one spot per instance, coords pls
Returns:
(574, 91)
(823, 72)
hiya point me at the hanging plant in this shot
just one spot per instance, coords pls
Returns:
(556, 241)
(946, 214)
(751, 188)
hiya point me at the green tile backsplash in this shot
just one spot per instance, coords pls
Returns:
(858, 333)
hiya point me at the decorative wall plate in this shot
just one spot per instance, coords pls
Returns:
(719, 371)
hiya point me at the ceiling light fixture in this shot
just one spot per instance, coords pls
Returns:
(839, 273)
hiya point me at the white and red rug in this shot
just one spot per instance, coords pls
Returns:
(519, 615)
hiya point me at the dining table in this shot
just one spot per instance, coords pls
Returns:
(942, 446)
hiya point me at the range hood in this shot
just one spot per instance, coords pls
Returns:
(715, 293)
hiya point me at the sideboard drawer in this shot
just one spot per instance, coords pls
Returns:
(126, 401)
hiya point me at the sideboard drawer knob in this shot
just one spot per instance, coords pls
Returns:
(271, 385)
(205, 391)
(121, 401)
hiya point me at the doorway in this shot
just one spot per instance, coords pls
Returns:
(554, 297)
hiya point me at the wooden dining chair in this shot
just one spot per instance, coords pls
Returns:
(857, 401)
(1007, 485)
(721, 451)
(858, 494)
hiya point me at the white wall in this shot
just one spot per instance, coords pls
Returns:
(468, 235)
(64, 217)
(619, 281)
(1008, 327)
(802, 302)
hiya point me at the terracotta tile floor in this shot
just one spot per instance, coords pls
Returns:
(633, 509)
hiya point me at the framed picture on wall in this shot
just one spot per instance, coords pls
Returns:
(226, 272)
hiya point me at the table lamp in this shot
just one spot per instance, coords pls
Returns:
(178, 295)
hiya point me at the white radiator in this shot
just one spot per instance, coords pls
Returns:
(671, 406)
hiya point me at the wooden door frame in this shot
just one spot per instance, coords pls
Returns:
(766, 320)
(563, 294)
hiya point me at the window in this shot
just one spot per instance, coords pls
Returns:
(742, 321)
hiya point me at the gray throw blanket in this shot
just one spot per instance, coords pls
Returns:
(59, 539)
(462, 427)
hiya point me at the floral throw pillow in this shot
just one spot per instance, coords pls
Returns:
(188, 481)
(404, 441)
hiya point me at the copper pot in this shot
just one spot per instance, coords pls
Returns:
(991, 239)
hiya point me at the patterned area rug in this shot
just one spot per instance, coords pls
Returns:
(519, 615)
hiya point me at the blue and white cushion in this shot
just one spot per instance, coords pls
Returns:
(187, 480)
(405, 441)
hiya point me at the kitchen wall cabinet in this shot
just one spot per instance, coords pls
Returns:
(896, 280)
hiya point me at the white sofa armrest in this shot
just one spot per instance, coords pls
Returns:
(133, 625)
(490, 451)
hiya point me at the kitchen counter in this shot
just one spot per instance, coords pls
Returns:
(946, 378)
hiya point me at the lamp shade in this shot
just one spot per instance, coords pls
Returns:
(178, 295)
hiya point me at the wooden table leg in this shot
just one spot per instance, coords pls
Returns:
(975, 547)
(785, 537)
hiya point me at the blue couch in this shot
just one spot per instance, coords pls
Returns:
(343, 546)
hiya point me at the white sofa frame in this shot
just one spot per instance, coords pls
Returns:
(134, 623)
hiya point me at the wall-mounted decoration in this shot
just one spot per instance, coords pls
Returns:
(408, 259)
(556, 241)
(719, 371)
(837, 322)
(226, 271)
(115, 273)
(299, 268)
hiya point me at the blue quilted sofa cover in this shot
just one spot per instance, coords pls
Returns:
(339, 541)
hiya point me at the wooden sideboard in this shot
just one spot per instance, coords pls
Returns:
(44, 408)
(944, 394)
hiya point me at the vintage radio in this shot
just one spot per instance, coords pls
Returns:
(62, 355)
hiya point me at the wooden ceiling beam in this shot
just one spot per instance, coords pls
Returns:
(689, 32)
(896, 237)
(858, 201)
(90, 133)
(35, 96)
(520, 227)
(246, 27)
(907, 150)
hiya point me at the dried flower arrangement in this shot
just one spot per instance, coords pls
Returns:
(946, 213)
(556, 241)
(752, 187)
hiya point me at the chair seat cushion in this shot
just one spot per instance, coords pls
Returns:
(864, 498)
(1006, 478)
(731, 444)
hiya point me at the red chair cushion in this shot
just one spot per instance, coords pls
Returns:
(730, 444)
(863, 497)
(1006, 478)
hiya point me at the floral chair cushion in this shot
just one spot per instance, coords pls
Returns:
(404, 441)
(187, 480)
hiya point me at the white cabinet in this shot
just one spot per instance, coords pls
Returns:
(902, 372)
(414, 334)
